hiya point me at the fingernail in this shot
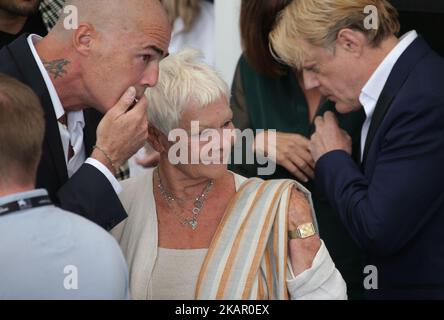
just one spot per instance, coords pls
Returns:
(131, 93)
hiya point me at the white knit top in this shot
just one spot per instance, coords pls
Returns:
(175, 273)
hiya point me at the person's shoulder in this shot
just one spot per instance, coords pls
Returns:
(19, 45)
(17, 61)
(78, 225)
(96, 250)
(238, 178)
(424, 88)
(134, 186)
(63, 229)
(244, 66)
(88, 237)
(7, 62)
(54, 241)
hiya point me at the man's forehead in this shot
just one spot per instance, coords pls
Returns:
(151, 38)
(148, 29)
(312, 54)
(309, 62)
(158, 31)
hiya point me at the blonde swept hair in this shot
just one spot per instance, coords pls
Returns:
(319, 22)
(188, 10)
(184, 81)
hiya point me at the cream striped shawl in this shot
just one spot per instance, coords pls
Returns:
(248, 255)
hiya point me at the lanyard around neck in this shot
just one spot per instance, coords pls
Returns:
(24, 204)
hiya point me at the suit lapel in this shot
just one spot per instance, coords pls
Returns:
(381, 110)
(399, 75)
(30, 72)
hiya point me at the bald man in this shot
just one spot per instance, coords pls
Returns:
(101, 68)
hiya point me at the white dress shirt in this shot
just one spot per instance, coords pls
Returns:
(73, 133)
(372, 90)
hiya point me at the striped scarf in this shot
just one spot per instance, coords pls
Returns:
(247, 259)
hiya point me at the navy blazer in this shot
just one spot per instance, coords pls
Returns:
(88, 192)
(393, 205)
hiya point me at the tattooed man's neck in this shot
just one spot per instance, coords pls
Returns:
(56, 67)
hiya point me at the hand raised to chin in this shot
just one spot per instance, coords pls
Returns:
(122, 131)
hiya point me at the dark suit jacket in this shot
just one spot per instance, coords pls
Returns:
(394, 205)
(88, 192)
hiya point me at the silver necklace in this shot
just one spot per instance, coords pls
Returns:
(198, 202)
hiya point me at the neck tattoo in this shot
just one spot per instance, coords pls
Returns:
(56, 67)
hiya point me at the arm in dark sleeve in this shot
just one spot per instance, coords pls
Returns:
(90, 194)
(405, 190)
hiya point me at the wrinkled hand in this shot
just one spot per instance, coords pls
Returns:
(122, 131)
(329, 137)
(291, 151)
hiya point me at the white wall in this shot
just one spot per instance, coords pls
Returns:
(228, 47)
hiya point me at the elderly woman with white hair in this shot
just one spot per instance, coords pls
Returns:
(198, 231)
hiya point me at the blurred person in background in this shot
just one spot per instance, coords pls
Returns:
(51, 10)
(18, 17)
(192, 23)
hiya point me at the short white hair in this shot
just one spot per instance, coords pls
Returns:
(184, 81)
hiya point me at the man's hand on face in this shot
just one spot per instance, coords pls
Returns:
(328, 137)
(122, 131)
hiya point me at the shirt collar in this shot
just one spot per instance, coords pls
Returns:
(23, 196)
(76, 116)
(374, 86)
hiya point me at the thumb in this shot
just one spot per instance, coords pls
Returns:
(331, 117)
(125, 101)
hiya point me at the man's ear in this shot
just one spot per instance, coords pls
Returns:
(154, 138)
(351, 41)
(83, 37)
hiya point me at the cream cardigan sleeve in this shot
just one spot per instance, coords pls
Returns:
(320, 282)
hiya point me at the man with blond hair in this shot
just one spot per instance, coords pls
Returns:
(98, 60)
(393, 205)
